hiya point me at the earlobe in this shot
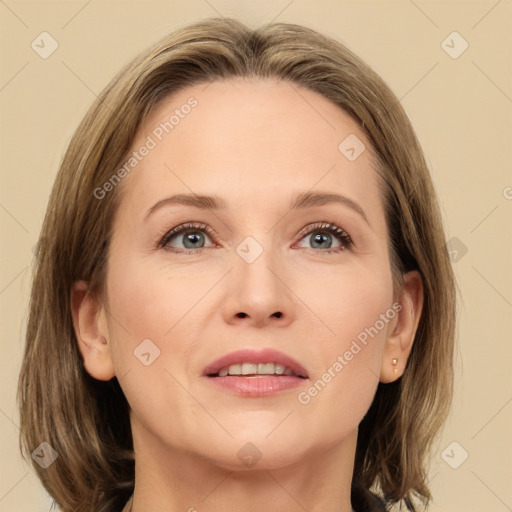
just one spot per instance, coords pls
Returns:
(91, 332)
(401, 336)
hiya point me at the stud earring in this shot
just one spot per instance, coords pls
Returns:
(394, 362)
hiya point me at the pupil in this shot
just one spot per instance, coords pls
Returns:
(191, 238)
(319, 238)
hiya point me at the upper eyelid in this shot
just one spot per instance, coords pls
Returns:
(323, 225)
(201, 226)
(181, 228)
(331, 227)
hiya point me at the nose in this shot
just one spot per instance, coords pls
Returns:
(258, 293)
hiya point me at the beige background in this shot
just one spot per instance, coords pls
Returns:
(461, 108)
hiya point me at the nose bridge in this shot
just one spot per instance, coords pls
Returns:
(253, 263)
(256, 290)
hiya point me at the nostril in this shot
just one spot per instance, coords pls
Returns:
(278, 314)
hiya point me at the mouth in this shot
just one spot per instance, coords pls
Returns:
(253, 363)
(256, 372)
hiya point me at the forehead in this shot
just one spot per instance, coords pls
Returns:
(250, 138)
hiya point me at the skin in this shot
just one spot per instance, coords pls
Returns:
(255, 143)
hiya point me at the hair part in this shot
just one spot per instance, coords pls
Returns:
(87, 421)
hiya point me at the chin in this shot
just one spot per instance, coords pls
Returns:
(256, 453)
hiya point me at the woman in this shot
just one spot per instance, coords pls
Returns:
(243, 299)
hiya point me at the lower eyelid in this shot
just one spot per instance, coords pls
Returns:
(343, 237)
(334, 230)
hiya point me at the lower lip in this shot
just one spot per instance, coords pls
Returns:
(263, 385)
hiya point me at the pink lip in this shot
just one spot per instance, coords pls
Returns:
(256, 386)
(267, 355)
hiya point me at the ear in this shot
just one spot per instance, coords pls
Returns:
(403, 328)
(91, 332)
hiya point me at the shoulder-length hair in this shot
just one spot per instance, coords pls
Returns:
(87, 421)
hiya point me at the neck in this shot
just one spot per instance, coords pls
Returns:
(175, 480)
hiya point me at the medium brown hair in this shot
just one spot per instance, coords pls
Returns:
(87, 421)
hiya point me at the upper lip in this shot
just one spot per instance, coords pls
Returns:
(267, 355)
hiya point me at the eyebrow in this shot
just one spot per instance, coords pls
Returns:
(301, 201)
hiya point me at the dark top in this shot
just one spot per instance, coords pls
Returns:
(365, 501)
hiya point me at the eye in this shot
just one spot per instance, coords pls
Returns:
(322, 236)
(193, 237)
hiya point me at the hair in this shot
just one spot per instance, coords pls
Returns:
(86, 421)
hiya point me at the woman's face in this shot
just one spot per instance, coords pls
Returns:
(251, 273)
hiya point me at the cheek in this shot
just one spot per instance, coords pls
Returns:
(356, 312)
(148, 300)
(167, 305)
(150, 341)
(143, 305)
(348, 300)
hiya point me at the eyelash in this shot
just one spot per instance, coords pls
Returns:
(327, 227)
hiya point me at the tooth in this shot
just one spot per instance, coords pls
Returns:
(255, 369)
(279, 369)
(266, 368)
(235, 369)
(249, 368)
